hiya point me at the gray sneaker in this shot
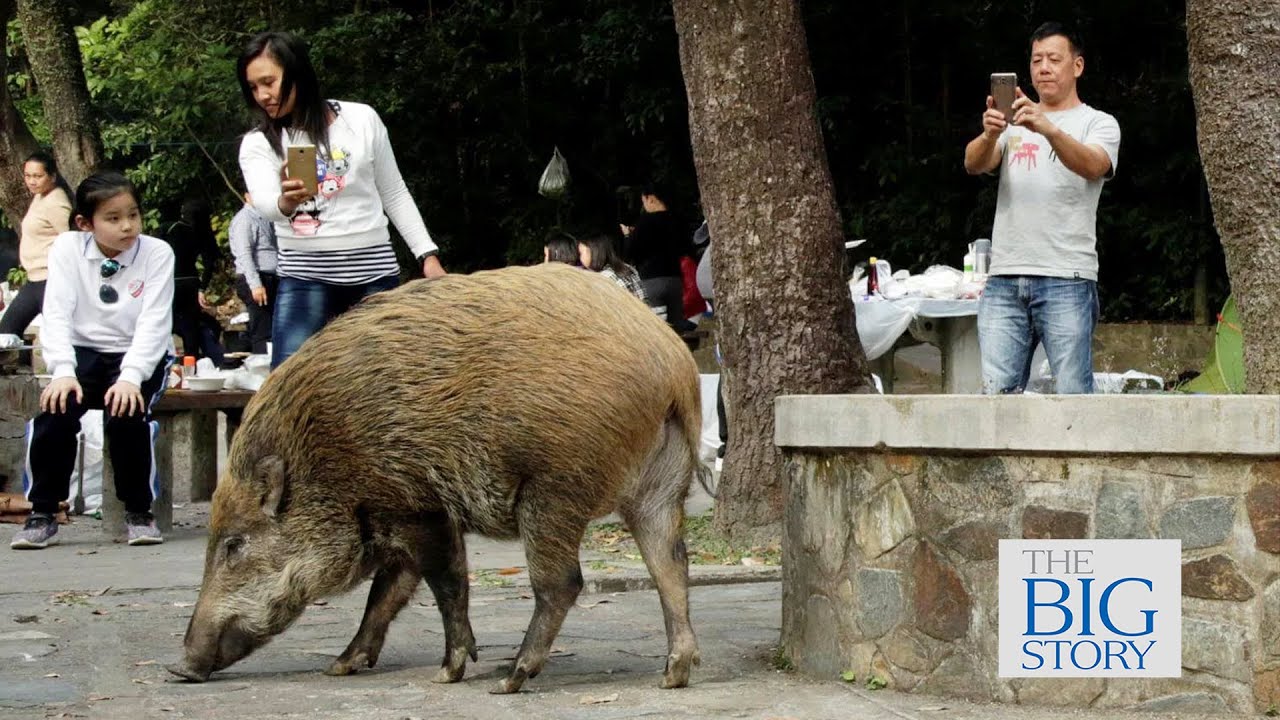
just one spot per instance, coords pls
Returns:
(38, 533)
(142, 529)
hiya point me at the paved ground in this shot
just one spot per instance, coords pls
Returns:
(86, 627)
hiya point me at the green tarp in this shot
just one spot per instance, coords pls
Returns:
(1224, 369)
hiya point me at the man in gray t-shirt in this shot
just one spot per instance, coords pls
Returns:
(1053, 157)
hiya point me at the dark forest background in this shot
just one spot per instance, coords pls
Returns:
(477, 93)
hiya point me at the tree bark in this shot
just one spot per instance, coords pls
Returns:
(16, 142)
(786, 321)
(54, 54)
(1232, 46)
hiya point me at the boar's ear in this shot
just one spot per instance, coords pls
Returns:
(270, 473)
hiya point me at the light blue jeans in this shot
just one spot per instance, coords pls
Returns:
(1018, 311)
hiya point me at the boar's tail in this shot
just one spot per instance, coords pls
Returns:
(686, 411)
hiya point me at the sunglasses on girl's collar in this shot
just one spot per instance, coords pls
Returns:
(108, 269)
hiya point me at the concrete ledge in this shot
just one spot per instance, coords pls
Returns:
(1247, 425)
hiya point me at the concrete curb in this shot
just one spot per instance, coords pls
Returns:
(596, 584)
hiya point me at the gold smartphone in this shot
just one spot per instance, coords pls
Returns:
(302, 166)
(1002, 93)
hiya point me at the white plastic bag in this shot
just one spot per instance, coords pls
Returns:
(555, 179)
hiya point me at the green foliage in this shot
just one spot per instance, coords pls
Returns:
(16, 277)
(875, 682)
(849, 676)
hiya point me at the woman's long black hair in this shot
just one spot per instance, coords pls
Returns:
(299, 76)
(603, 254)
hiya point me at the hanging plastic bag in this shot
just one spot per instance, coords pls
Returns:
(555, 179)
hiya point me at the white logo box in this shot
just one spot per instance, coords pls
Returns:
(1090, 608)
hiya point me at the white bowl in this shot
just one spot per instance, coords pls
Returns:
(205, 384)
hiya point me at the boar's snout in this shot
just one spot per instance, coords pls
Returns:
(208, 649)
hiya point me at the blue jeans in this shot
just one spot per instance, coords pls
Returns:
(303, 307)
(1018, 311)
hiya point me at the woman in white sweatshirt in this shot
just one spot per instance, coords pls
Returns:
(334, 247)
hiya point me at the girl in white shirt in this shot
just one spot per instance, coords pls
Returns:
(107, 341)
(334, 248)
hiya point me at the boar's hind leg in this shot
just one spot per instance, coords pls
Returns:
(655, 515)
(551, 543)
(393, 585)
(444, 565)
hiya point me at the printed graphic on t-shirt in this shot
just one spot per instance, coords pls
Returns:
(1023, 152)
(135, 287)
(331, 179)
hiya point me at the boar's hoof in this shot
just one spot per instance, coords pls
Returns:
(349, 665)
(677, 672)
(447, 674)
(510, 684)
(182, 671)
(454, 665)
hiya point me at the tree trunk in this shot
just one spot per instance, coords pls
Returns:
(1232, 46)
(16, 142)
(54, 54)
(786, 323)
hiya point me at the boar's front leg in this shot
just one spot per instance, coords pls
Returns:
(393, 585)
(551, 548)
(444, 565)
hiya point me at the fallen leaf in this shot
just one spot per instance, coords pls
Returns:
(510, 571)
(588, 606)
(526, 596)
(24, 619)
(932, 708)
(166, 709)
(99, 611)
(321, 603)
(589, 700)
(52, 675)
(610, 550)
(101, 592)
(100, 698)
(86, 552)
(184, 604)
(140, 681)
(140, 663)
(751, 561)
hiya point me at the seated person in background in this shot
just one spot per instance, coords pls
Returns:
(106, 337)
(560, 247)
(597, 253)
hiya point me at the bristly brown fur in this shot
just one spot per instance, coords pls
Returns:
(516, 403)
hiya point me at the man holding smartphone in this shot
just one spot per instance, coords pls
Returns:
(1053, 158)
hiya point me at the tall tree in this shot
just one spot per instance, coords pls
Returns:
(1232, 46)
(786, 318)
(54, 55)
(16, 142)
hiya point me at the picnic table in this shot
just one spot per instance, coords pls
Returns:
(186, 446)
(949, 325)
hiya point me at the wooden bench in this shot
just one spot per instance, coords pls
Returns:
(186, 448)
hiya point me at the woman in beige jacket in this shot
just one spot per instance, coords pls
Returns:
(47, 217)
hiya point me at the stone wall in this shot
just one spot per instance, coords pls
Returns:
(890, 562)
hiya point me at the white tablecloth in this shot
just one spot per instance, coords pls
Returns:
(882, 322)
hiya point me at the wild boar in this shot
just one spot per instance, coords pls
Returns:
(518, 403)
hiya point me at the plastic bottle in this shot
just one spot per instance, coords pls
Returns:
(188, 370)
(873, 278)
(968, 267)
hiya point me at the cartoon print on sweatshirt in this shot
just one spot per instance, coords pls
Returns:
(330, 177)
